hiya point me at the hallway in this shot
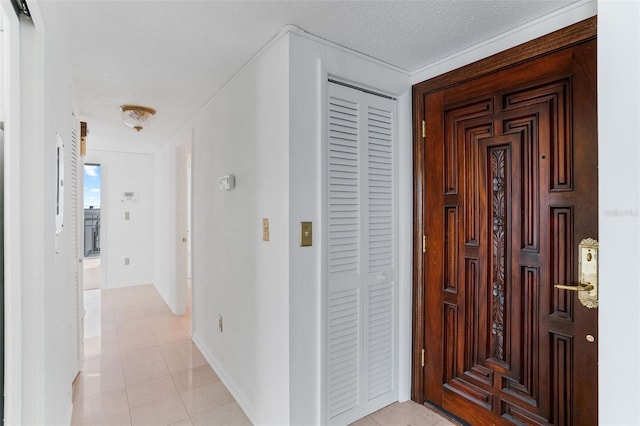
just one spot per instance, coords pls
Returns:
(141, 368)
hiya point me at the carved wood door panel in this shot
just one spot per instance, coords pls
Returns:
(510, 191)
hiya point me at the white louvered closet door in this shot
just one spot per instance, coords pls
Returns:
(76, 226)
(361, 305)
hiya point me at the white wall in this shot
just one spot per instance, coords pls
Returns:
(164, 197)
(13, 234)
(41, 341)
(619, 211)
(164, 181)
(3, 63)
(242, 130)
(267, 292)
(36, 227)
(60, 291)
(312, 61)
(120, 238)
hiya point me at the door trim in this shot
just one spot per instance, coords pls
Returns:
(182, 235)
(566, 37)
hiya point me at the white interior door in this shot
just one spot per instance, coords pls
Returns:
(361, 306)
(182, 227)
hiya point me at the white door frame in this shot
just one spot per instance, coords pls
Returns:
(12, 225)
(182, 232)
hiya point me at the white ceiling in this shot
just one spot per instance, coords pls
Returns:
(174, 55)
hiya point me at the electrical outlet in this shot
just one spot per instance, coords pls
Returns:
(220, 323)
(126, 261)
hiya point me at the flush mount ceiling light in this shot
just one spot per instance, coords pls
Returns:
(136, 116)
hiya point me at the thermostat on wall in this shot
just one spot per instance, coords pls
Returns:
(129, 196)
(227, 182)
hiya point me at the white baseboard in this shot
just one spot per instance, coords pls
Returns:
(67, 417)
(226, 379)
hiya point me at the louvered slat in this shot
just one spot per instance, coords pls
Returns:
(381, 247)
(380, 173)
(361, 312)
(343, 351)
(381, 339)
(344, 187)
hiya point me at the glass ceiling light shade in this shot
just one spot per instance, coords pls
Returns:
(136, 116)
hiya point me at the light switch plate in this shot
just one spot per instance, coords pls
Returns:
(306, 234)
(265, 229)
(127, 215)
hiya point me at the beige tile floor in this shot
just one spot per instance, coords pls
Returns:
(142, 368)
(92, 273)
(406, 413)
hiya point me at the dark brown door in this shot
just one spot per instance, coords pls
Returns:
(510, 190)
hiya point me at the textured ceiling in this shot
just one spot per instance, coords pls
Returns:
(173, 55)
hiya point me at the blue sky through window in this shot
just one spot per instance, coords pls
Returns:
(92, 186)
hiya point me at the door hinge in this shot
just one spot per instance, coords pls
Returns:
(422, 362)
(424, 129)
(424, 243)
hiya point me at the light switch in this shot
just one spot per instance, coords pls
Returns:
(127, 215)
(306, 234)
(265, 229)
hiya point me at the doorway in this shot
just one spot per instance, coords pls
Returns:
(506, 189)
(92, 226)
(183, 233)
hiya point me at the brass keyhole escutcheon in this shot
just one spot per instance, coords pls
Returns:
(590, 338)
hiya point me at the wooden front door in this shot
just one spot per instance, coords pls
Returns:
(510, 190)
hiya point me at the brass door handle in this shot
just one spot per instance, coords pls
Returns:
(579, 287)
